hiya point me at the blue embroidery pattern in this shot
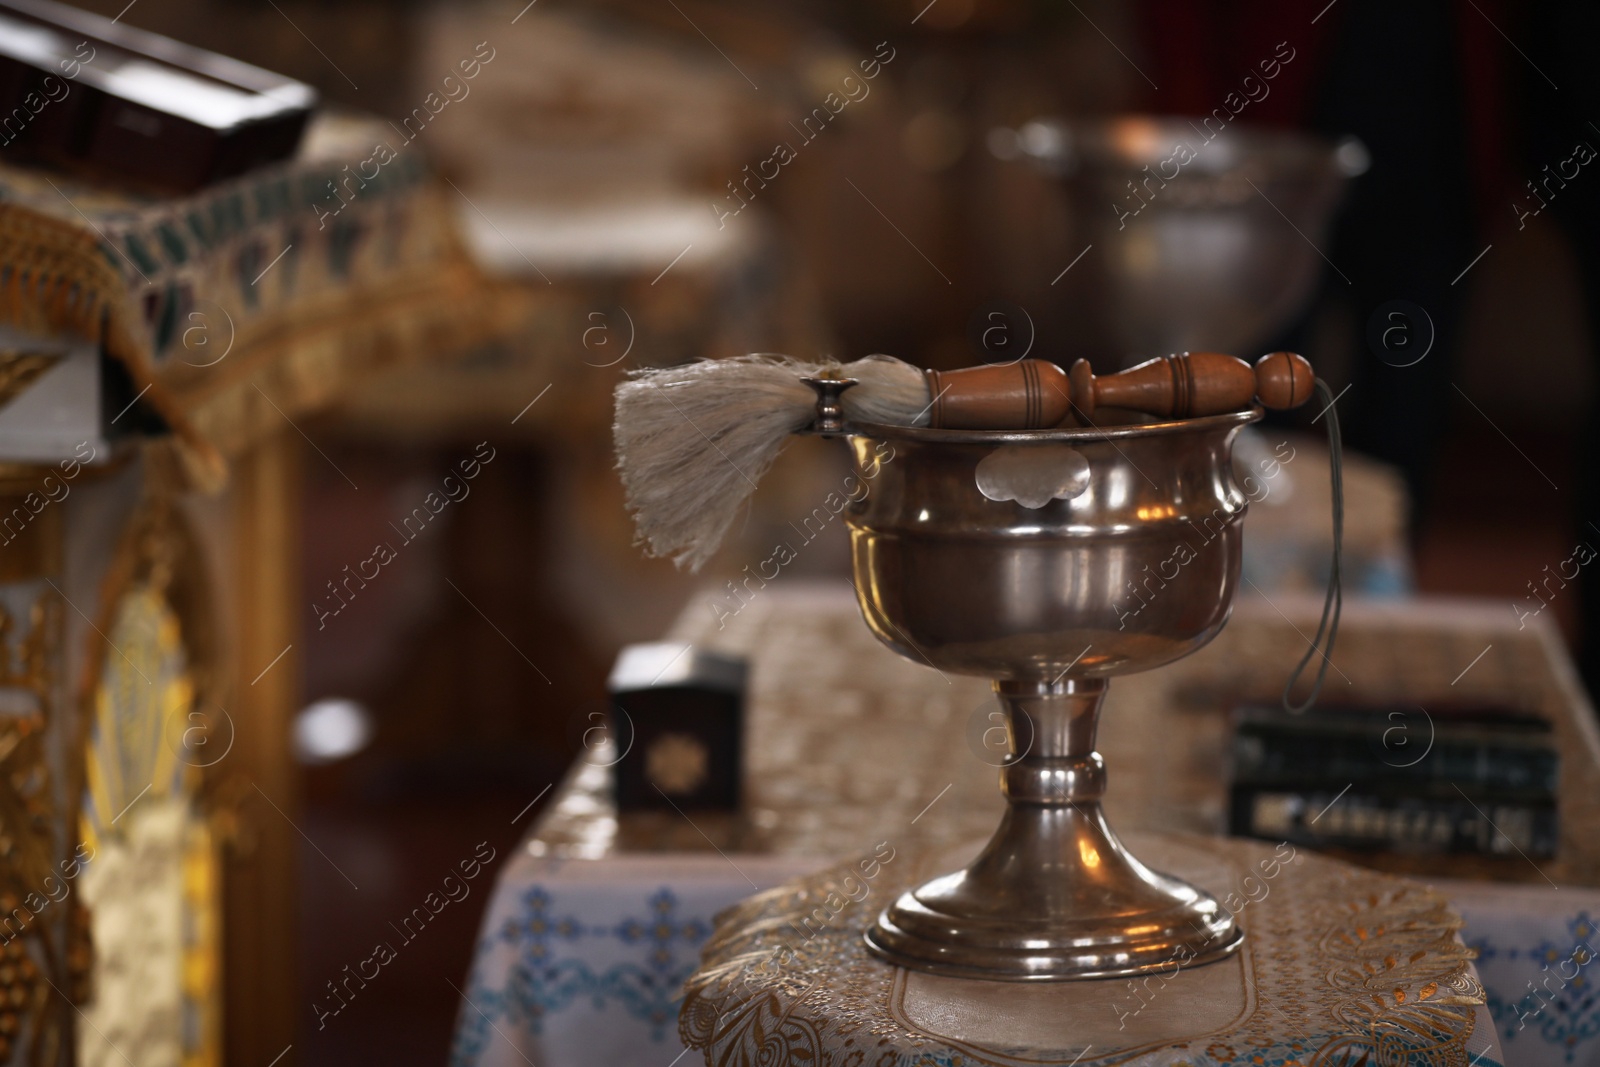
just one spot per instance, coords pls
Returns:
(541, 983)
(1563, 1011)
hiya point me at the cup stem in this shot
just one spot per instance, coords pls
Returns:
(1053, 726)
(1054, 894)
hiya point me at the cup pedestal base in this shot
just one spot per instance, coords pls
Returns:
(1054, 895)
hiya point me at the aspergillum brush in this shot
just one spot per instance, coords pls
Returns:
(694, 440)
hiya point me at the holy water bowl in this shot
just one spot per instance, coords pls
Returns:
(1050, 561)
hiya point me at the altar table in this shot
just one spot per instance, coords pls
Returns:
(849, 745)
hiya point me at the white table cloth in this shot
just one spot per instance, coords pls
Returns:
(1536, 948)
(848, 744)
(582, 962)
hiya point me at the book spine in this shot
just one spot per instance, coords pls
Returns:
(1277, 759)
(1317, 817)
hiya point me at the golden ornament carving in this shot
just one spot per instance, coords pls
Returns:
(37, 934)
(677, 763)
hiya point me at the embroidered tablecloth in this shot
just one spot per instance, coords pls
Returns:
(583, 961)
(1339, 966)
(1536, 947)
(848, 744)
(578, 960)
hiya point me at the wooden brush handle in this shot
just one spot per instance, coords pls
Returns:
(1032, 393)
(1029, 394)
(1191, 384)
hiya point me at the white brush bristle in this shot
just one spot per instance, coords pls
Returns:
(891, 392)
(693, 441)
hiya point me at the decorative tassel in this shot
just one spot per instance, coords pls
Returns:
(694, 441)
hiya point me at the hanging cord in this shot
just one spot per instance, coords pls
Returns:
(1329, 626)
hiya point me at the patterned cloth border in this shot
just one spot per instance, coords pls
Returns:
(1348, 967)
(333, 260)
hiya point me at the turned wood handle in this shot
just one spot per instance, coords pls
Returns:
(1029, 394)
(1191, 384)
(1032, 393)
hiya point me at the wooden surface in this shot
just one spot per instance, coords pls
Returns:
(255, 788)
(1284, 380)
(1034, 393)
(1026, 395)
(1190, 384)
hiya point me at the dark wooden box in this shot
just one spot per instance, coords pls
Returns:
(87, 93)
(678, 715)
